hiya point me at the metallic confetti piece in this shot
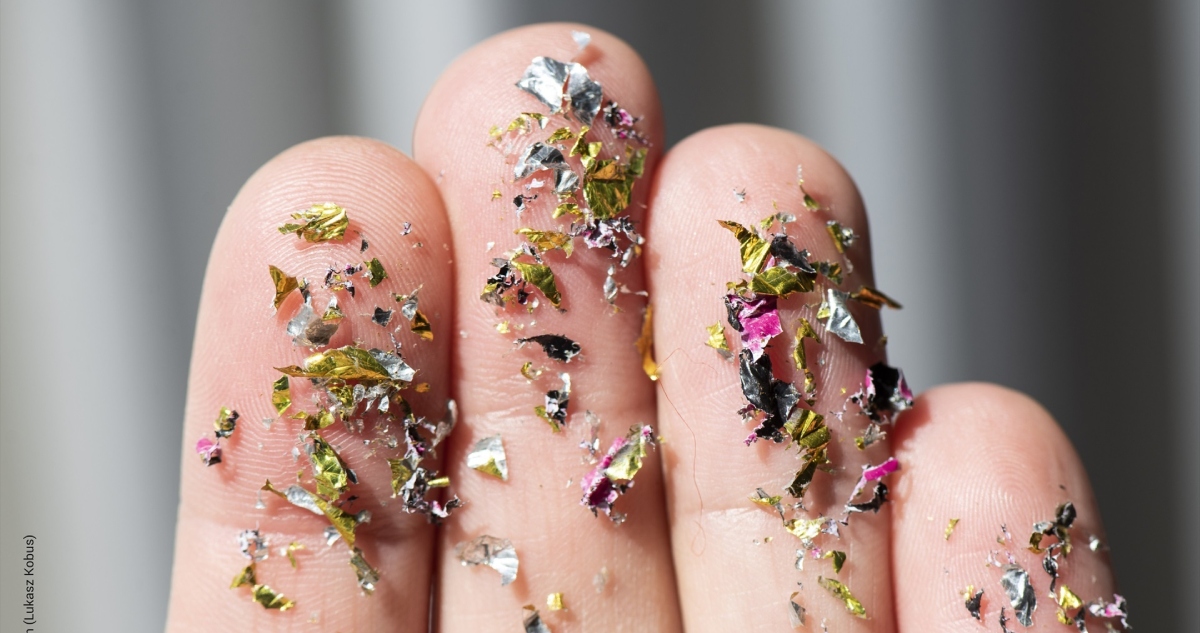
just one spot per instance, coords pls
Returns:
(353, 363)
(421, 327)
(795, 611)
(332, 311)
(284, 285)
(532, 621)
(581, 38)
(830, 270)
(842, 592)
(566, 208)
(839, 559)
(1067, 600)
(885, 393)
(342, 521)
(717, 340)
(290, 552)
(774, 502)
(554, 411)
(552, 81)
(209, 451)
(374, 272)
(226, 422)
(497, 553)
(315, 422)
(838, 319)
(529, 372)
(307, 329)
(561, 134)
(779, 281)
(808, 431)
(621, 122)
(488, 457)
(328, 469)
(756, 318)
(872, 297)
(809, 529)
(556, 346)
(381, 317)
(805, 330)
(950, 528)
(281, 395)
(614, 474)
(843, 237)
(253, 545)
(554, 601)
(1004, 621)
(754, 249)
(1064, 517)
(269, 598)
(367, 576)
(321, 223)
(244, 577)
(548, 240)
(878, 498)
(973, 598)
(874, 473)
(541, 277)
(1020, 593)
(645, 344)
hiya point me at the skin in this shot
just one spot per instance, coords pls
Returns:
(691, 555)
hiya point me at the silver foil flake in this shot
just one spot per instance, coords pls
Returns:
(253, 545)
(396, 368)
(1020, 593)
(551, 81)
(582, 39)
(499, 554)
(837, 316)
(795, 611)
(488, 457)
(540, 157)
(308, 329)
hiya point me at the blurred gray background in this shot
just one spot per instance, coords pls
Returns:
(1031, 168)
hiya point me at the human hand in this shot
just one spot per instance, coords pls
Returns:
(693, 553)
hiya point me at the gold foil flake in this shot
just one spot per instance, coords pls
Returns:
(561, 134)
(332, 311)
(421, 327)
(874, 298)
(808, 529)
(329, 471)
(290, 552)
(645, 344)
(320, 223)
(497, 553)
(320, 420)
(352, 363)
(842, 236)
(580, 148)
(800, 358)
(284, 285)
(554, 601)
(754, 249)
(627, 460)
(773, 502)
(496, 195)
(1067, 600)
(542, 278)
(281, 395)
(717, 340)
(503, 327)
(838, 319)
(950, 528)
(244, 577)
(367, 575)
(842, 592)
(226, 422)
(374, 272)
(779, 281)
(343, 522)
(532, 620)
(488, 457)
(808, 431)
(839, 559)
(529, 372)
(565, 208)
(271, 599)
(548, 240)
(607, 188)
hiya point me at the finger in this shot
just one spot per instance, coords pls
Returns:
(562, 547)
(996, 461)
(240, 339)
(730, 577)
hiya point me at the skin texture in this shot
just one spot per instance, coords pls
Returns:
(692, 554)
